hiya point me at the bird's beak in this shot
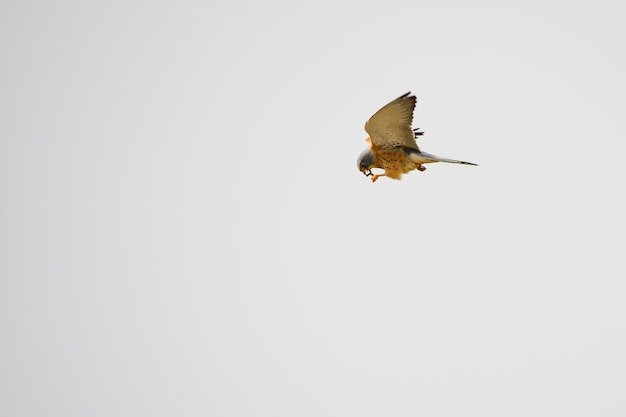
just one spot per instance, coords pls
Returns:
(366, 172)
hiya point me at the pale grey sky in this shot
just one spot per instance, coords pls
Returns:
(184, 231)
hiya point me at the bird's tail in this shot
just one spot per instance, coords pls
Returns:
(427, 157)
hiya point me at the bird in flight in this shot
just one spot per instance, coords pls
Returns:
(392, 142)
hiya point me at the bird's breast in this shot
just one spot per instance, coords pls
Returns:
(394, 162)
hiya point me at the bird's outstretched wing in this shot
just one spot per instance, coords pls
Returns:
(390, 126)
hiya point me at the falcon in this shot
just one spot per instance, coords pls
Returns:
(392, 142)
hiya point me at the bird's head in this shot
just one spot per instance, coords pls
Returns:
(365, 163)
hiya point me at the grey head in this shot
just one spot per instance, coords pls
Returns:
(366, 162)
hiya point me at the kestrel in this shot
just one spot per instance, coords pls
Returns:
(392, 142)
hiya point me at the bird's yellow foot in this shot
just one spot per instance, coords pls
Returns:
(374, 177)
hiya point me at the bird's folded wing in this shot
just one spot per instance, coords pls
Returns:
(390, 126)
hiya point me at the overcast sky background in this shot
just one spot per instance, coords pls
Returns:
(184, 231)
